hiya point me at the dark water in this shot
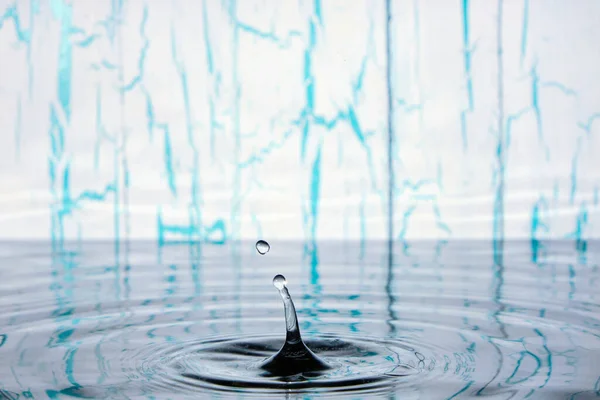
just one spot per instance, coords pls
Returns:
(430, 321)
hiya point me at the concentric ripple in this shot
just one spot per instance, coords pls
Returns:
(357, 363)
(458, 327)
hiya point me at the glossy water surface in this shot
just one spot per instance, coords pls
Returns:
(428, 320)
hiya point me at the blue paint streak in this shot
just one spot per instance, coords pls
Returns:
(270, 36)
(315, 188)
(524, 29)
(11, 14)
(405, 219)
(498, 224)
(574, 161)
(535, 79)
(149, 115)
(168, 154)
(467, 51)
(211, 70)
(557, 85)
(467, 62)
(309, 81)
(537, 225)
(587, 126)
(260, 156)
(65, 58)
(235, 206)
(88, 41)
(143, 53)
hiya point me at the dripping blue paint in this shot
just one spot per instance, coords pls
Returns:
(420, 179)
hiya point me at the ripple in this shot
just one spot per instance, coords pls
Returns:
(229, 363)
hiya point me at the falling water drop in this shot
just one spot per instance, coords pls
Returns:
(279, 282)
(262, 247)
(294, 357)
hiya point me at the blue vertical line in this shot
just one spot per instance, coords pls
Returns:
(498, 228)
(309, 83)
(579, 234)
(390, 165)
(65, 62)
(537, 224)
(574, 161)
(211, 72)
(498, 233)
(56, 132)
(168, 154)
(33, 10)
(524, 29)
(315, 198)
(118, 149)
(195, 219)
(235, 206)
(417, 32)
(467, 61)
(124, 176)
(535, 84)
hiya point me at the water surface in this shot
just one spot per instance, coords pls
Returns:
(432, 320)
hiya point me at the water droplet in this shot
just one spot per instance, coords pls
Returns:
(294, 357)
(279, 282)
(262, 247)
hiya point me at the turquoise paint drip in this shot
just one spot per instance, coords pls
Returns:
(65, 58)
(537, 225)
(405, 220)
(11, 14)
(143, 53)
(317, 11)
(574, 162)
(309, 81)
(557, 85)
(587, 126)
(579, 233)
(468, 75)
(149, 115)
(315, 198)
(234, 220)
(524, 29)
(168, 157)
(498, 224)
(194, 208)
(211, 71)
(535, 83)
(438, 220)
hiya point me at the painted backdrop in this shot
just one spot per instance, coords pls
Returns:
(222, 120)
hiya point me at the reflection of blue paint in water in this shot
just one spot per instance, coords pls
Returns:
(537, 225)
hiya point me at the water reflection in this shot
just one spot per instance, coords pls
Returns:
(485, 325)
